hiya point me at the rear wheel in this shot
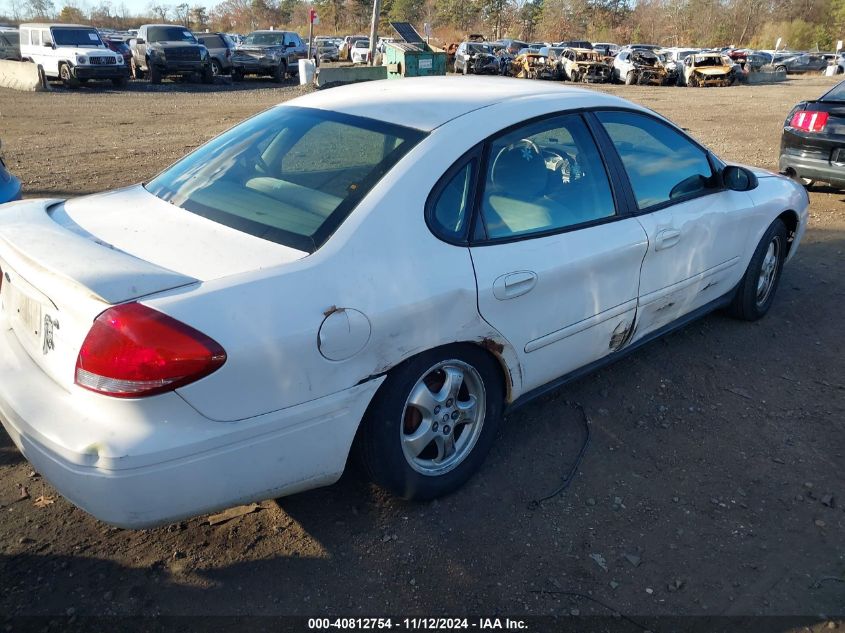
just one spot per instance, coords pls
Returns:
(433, 421)
(216, 68)
(757, 289)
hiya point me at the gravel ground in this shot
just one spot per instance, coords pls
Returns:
(713, 484)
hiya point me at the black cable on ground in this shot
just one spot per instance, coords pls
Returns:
(585, 596)
(571, 474)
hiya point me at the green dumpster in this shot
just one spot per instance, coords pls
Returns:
(417, 59)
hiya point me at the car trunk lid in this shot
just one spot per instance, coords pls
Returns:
(65, 263)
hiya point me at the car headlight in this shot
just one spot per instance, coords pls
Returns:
(81, 59)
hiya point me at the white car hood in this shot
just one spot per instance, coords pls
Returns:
(137, 222)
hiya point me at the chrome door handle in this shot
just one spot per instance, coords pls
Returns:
(514, 284)
(667, 238)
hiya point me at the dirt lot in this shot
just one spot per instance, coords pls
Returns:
(705, 491)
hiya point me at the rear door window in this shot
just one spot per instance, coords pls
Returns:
(544, 177)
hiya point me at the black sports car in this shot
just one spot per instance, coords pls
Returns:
(812, 146)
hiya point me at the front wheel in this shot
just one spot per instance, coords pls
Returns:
(433, 421)
(207, 75)
(756, 291)
(280, 72)
(630, 78)
(155, 74)
(67, 77)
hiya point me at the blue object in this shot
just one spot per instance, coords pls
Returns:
(10, 187)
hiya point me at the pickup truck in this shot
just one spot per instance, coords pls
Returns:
(162, 50)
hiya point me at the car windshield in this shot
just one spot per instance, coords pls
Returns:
(75, 37)
(837, 93)
(169, 34)
(265, 39)
(289, 175)
(710, 60)
(478, 48)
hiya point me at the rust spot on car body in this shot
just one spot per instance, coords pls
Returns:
(492, 346)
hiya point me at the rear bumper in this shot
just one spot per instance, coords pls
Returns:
(140, 463)
(101, 72)
(812, 168)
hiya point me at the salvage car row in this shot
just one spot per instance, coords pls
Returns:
(643, 64)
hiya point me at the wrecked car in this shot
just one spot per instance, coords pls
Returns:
(476, 58)
(534, 65)
(708, 69)
(639, 66)
(213, 352)
(587, 65)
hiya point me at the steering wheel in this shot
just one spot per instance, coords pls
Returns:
(564, 164)
(522, 151)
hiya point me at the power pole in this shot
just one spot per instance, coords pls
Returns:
(374, 30)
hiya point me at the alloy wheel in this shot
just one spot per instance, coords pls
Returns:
(443, 417)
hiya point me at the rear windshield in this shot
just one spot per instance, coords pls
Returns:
(212, 41)
(169, 34)
(265, 39)
(289, 175)
(75, 37)
(836, 94)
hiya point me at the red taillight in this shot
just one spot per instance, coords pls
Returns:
(133, 351)
(809, 120)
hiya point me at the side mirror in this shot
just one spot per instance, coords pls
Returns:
(140, 40)
(291, 44)
(738, 178)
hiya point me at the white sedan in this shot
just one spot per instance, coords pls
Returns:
(320, 277)
(360, 53)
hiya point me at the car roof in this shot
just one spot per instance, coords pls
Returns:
(426, 103)
(49, 25)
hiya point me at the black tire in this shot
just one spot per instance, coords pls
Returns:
(216, 68)
(380, 443)
(237, 74)
(119, 82)
(207, 75)
(67, 77)
(780, 69)
(747, 304)
(155, 75)
(630, 78)
(280, 72)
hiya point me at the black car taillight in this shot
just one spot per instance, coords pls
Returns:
(808, 120)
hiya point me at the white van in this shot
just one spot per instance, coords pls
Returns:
(72, 53)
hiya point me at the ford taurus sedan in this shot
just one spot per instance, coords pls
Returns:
(231, 329)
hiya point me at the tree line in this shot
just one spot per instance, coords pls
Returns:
(799, 24)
